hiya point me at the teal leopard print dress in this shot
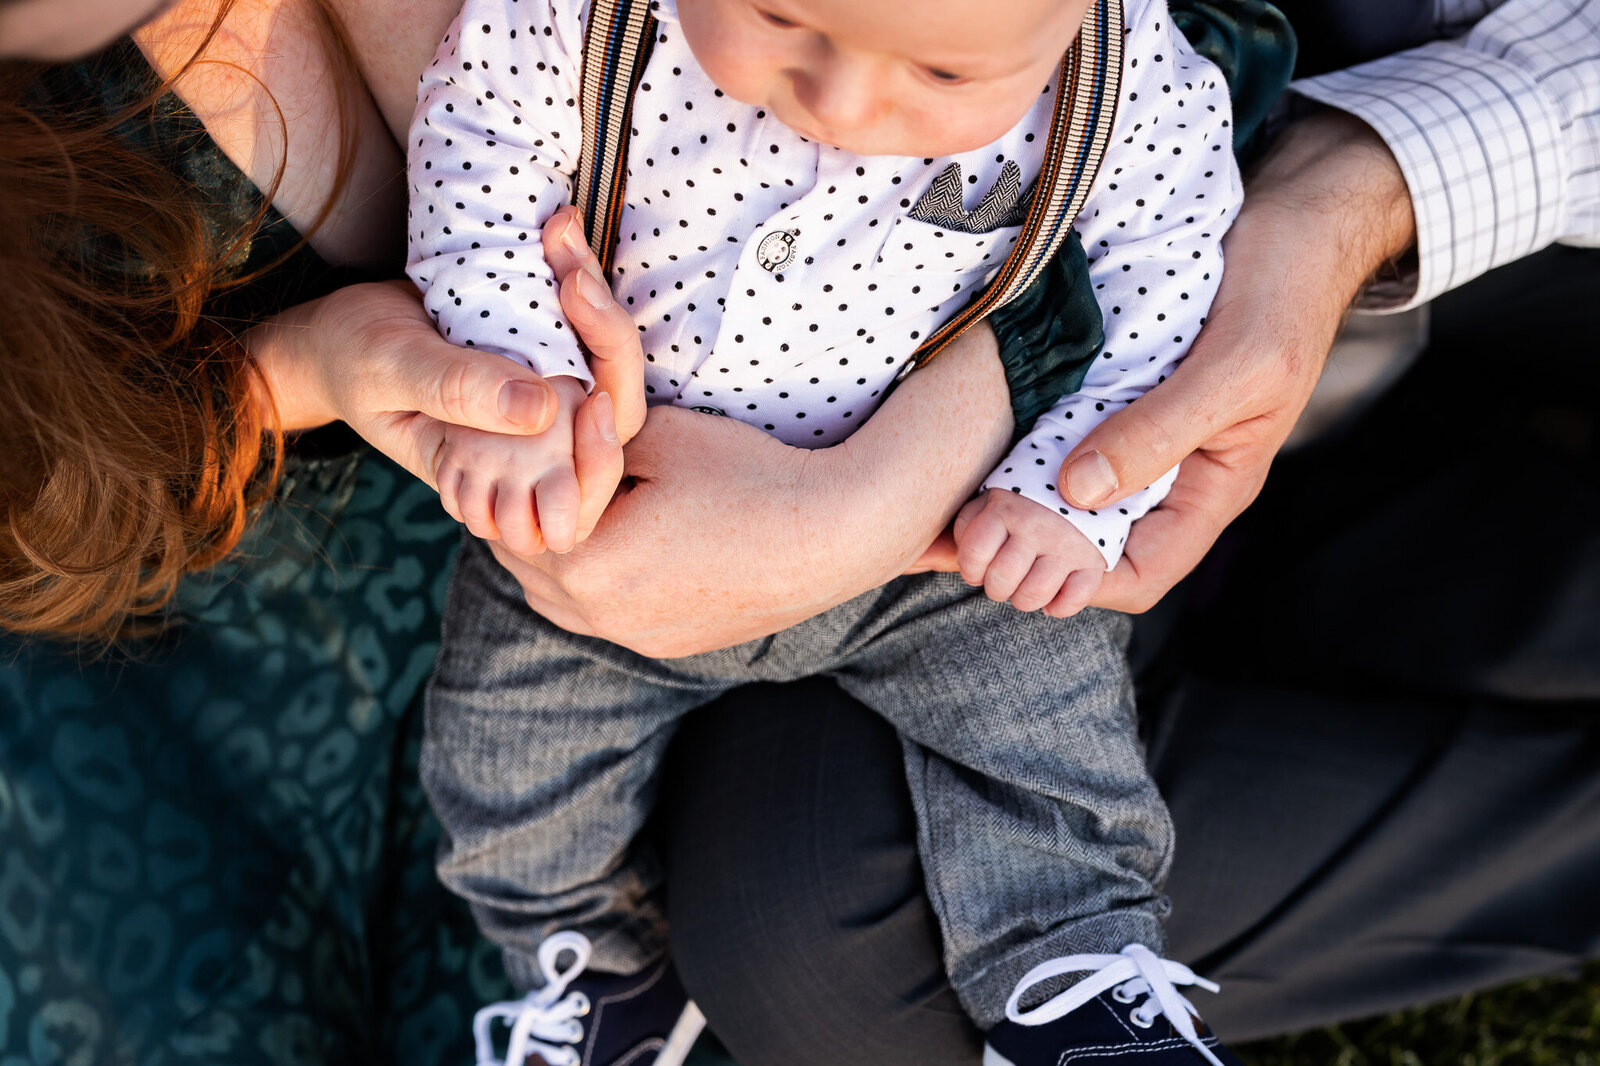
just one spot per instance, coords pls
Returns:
(213, 848)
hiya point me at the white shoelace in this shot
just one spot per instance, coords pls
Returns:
(1135, 971)
(543, 1020)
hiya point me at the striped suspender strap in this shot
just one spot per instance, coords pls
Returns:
(1086, 107)
(616, 47)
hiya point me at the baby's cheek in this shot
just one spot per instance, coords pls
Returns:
(950, 122)
(735, 61)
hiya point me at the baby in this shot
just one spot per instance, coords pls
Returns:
(813, 187)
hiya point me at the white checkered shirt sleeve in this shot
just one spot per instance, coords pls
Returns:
(1497, 132)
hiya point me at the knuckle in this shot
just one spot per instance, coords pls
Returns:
(456, 388)
(1153, 432)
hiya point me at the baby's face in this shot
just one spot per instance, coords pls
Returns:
(885, 77)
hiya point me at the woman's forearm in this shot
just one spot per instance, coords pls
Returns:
(290, 386)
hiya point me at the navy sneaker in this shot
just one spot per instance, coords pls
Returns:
(592, 1019)
(1126, 1011)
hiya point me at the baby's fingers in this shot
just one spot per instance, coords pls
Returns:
(1045, 580)
(1006, 572)
(979, 535)
(1075, 595)
(557, 496)
(450, 480)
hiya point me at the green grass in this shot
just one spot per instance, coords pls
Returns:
(1546, 1022)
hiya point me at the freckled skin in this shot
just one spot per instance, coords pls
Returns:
(866, 76)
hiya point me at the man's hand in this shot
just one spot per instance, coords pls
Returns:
(1325, 209)
(608, 332)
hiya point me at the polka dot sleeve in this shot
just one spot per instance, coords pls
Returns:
(492, 149)
(1167, 192)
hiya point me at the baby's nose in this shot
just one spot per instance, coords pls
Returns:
(841, 98)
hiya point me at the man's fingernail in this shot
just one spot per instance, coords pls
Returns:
(594, 291)
(523, 402)
(1090, 481)
(605, 416)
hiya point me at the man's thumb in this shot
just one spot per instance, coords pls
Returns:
(1135, 446)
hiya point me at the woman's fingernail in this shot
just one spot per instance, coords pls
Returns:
(605, 416)
(572, 236)
(1090, 481)
(594, 291)
(523, 402)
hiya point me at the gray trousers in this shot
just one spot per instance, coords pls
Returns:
(1039, 829)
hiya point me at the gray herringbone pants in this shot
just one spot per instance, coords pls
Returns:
(1040, 830)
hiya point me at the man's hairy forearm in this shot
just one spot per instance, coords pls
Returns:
(1344, 194)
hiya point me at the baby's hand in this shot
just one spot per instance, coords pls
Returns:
(1024, 552)
(520, 490)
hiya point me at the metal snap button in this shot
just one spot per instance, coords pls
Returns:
(709, 410)
(776, 250)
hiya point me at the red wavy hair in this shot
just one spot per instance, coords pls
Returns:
(133, 446)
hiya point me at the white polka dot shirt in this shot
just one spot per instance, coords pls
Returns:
(783, 282)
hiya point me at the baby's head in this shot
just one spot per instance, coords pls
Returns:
(885, 77)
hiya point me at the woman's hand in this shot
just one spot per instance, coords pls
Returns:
(1327, 207)
(369, 355)
(722, 533)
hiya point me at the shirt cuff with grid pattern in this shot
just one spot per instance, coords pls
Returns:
(1480, 143)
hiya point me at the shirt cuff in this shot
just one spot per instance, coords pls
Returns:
(1480, 146)
(1031, 470)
